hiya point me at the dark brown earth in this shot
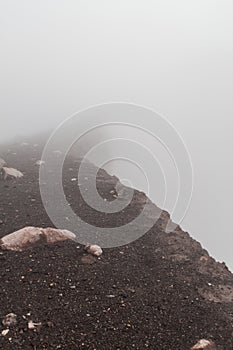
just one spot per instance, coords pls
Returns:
(162, 291)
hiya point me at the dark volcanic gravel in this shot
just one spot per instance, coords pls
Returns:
(155, 293)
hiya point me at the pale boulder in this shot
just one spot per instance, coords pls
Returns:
(204, 344)
(11, 172)
(29, 236)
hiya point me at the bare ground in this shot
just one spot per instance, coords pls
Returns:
(162, 291)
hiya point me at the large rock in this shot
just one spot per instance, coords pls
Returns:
(11, 172)
(29, 236)
(204, 344)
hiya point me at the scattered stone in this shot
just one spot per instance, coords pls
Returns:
(93, 249)
(9, 320)
(204, 345)
(30, 236)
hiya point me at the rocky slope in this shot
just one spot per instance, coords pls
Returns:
(163, 291)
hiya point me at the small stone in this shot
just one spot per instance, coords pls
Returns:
(33, 325)
(4, 332)
(93, 249)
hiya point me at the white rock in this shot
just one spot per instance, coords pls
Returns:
(204, 344)
(33, 325)
(93, 249)
(9, 320)
(29, 236)
(4, 332)
(40, 162)
(11, 172)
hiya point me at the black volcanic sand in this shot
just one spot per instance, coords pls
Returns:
(145, 295)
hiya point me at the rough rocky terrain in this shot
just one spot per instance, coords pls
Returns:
(161, 292)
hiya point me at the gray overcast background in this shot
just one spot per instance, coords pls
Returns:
(60, 56)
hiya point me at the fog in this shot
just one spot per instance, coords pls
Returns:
(175, 57)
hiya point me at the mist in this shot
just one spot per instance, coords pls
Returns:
(60, 57)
